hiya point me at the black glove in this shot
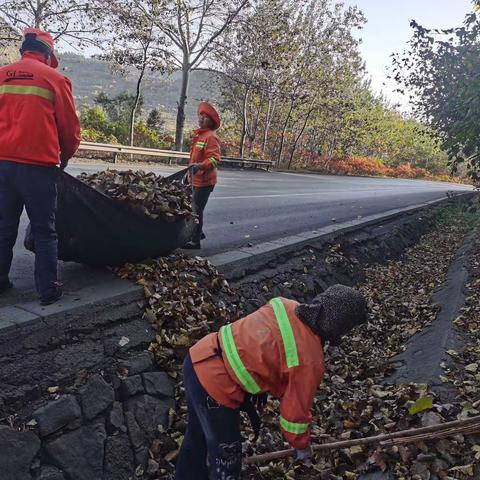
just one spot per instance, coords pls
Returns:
(63, 165)
(194, 167)
(259, 401)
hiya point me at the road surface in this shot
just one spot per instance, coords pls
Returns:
(250, 207)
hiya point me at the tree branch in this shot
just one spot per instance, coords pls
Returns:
(219, 32)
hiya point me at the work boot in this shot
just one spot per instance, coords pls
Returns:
(54, 297)
(5, 286)
(192, 246)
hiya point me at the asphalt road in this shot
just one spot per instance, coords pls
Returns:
(254, 207)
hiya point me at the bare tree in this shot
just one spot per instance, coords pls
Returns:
(193, 27)
(136, 43)
(76, 22)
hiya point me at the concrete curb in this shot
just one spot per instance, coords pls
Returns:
(234, 264)
(85, 301)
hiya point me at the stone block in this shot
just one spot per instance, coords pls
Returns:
(119, 458)
(149, 412)
(135, 433)
(116, 419)
(80, 454)
(158, 383)
(96, 397)
(131, 386)
(56, 415)
(139, 364)
(17, 451)
(51, 473)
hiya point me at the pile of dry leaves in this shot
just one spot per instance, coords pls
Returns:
(187, 298)
(150, 194)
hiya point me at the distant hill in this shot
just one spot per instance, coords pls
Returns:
(90, 76)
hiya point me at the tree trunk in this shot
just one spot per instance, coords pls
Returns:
(295, 143)
(137, 99)
(331, 149)
(181, 105)
(39, 14)
(268, 120)
(282, 137)
(244, 122)
(253, 134)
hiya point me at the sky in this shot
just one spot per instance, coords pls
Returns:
(388, 31)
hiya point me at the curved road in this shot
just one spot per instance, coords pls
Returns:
(254, 207)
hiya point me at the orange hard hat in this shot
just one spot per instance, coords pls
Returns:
(206, 109)
(47, 40)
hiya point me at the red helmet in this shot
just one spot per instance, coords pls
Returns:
(206, 109)
(47, 40)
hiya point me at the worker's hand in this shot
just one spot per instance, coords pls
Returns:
(259, 401)
(304, 455)
(194, 168)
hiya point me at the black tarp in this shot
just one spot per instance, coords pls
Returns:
(97, 230)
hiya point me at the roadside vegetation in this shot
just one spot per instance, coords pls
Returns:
(290, 78)
(440, 70)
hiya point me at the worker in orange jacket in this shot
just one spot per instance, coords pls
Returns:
(276, 350)
(39, 130)
(204, 161)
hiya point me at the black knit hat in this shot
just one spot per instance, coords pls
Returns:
(334, 312)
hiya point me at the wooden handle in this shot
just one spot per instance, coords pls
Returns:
(468, 426)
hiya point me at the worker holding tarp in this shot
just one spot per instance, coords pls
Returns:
(39, 130)
(204, 160)
(276, 350)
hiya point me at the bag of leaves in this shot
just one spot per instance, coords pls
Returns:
(113, 217)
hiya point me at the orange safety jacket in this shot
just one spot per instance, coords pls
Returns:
(38, 121)
(206, 152)
(272, 351)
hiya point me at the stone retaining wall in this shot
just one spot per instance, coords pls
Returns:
(102, 430)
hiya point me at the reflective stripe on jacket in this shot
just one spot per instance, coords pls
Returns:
(272, 351)
(38, 121)
(206, 152)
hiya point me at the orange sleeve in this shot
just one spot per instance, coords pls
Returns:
(212, 154)
(68, 124)
(296, 404)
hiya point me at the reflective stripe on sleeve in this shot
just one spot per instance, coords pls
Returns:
(294, 428)
(214, 162)
(27, 90)
(235, 361)
(200, 144)
(288, 337)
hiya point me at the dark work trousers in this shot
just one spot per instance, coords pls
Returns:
(35, 188)
(199, 201)
(212, 448)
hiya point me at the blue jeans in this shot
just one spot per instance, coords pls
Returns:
(212, 448)
(35, 188)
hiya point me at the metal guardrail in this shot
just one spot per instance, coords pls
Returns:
(153, 152)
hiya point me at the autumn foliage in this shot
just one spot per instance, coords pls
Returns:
(358, 165)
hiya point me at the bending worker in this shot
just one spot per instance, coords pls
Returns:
(39, 129)
(277, 350)
(204, 160)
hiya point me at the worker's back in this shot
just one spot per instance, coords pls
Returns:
(37, 113)
(260, 354)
